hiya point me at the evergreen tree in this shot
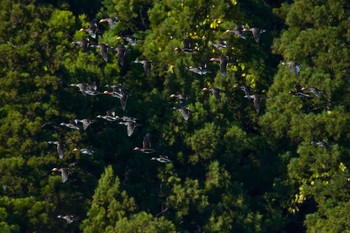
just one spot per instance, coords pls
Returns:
(313, 126)
(245, 150)
(113, 211)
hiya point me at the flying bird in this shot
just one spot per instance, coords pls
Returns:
(146, 148)
(86, 122)
(180, 98)
(132, 40)
(84, 44)
(121, 51)
(85, 151)
(201, 69)
(124, 99)
(70, 125)
(294, 67)
(110, 115)
(92, 30)
(111, 21)
(215, 91)
(317, 92)
(69, 218)
(82, 87)
(299, 92)
(162, 159)
(237, 31)
(146, 66)
(104, 48)
(185, 112)
(187, 46)
(222, 44)
(116, 88)
(256, 33)
(60, 148)
(257, 99)
(130, 126)
(322, 144)
(223, 62)
(247, 90)
(65, 172)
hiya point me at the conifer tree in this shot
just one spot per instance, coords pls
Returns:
(307, 111)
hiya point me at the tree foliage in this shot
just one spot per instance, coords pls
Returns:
(233, 166)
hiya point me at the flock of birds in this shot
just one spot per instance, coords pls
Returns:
(117, 91)
(120, 92)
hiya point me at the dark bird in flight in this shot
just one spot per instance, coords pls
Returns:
(294, 67)
(60, 148)
(92, 30)
(201, 69)
(180, 98)
(121, 51)
(223, 62)
(86, 122)
(110, 115)
(317, 92)
(162, 159)
(185, 112)
(146, 66)
(69, 218)
(111, 21)
(256, 33)
(187, 46)
(84, 44)
(257, 99)
(322, 144)
(85, 151)
(130, 126)
(215, 91)
(146, 148)
(222, 44)
(132, 40)
(65, 172)
(299, 92)
(237, 31)
(104, 48)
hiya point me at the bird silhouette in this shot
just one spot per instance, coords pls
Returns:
(146, 148)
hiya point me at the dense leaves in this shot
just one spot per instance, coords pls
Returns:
(257, 145)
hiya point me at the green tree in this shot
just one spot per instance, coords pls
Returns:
(112, 210)
(314, 38)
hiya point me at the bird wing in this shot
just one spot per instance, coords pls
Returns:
(64, 174)
(325, 145)
(147, 141)
(82, 87)
(104, 52)
(130, 128)
(123, 100)
(216, 93)
(185, 112)
(256, 34)
(257, 102)
(297, 69)
(60, 150)
(121, 55)
(298, 87)
(147, 68)
(86, 123)
(111, 22)
(187, 43)
(223, 65)
(69, 218)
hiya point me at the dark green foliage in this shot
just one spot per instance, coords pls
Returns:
(316, 38)
(232, 169)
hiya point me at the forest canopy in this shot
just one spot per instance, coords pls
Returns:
(174, 116)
